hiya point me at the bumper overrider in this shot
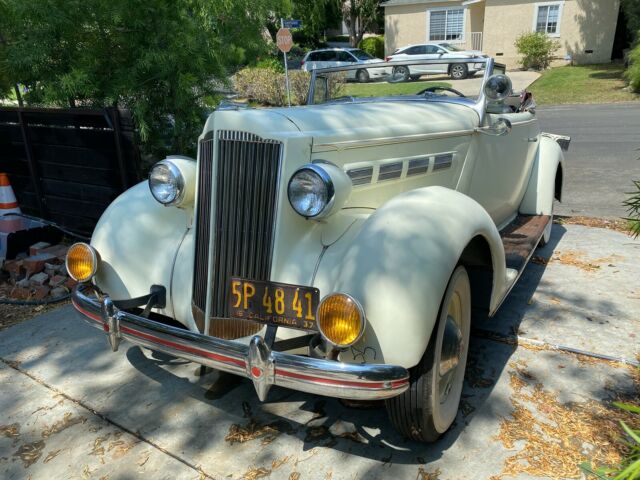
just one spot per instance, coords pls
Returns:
(255, 361)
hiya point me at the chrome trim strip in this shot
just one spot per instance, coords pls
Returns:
(255, 361)
(377, 142)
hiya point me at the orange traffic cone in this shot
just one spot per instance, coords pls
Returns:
(8, 204)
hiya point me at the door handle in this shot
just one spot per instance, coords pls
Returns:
(532, 139)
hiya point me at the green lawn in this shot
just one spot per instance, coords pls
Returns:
(582, 84)
(381, 89)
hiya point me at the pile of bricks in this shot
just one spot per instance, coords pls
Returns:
(38, 275)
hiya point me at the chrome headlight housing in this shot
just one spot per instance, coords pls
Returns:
(172, 181)
(311, 191)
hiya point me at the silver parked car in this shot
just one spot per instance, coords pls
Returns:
(435, 51)
(343, 57)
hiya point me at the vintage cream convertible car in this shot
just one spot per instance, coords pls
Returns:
(335, 248)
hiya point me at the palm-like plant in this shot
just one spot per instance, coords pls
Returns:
(633, 207)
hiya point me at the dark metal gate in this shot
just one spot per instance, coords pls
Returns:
(68, 165)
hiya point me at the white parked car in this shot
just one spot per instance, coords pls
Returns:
(335, 248)
(440, 56)
(343, 57)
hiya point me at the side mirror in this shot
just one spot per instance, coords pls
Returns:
(501, 127)
(497, 88)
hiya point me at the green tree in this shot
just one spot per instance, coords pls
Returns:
(160, 58)
(316, 16)
(361, 16)
(631, 10)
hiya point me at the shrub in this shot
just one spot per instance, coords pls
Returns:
(374, 46)
(537, 50)
(267, 87)
(271, 63)
(633, 72)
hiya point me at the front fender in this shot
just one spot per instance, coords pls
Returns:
(138, 240)
(398, 264)
(541, 190)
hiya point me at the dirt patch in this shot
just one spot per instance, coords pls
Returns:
(68, 420)
(10, 431)
(558, 437)
(575, 259)
(252, 431)
(14, 314)
(617, 224)
(29, 453)
(255, 473)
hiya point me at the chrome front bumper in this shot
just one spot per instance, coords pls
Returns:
(255, 361)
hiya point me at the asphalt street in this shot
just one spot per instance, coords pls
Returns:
(603, 159)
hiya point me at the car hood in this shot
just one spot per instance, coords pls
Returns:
(380, 119)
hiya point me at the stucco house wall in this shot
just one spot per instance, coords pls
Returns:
(585, 25)
(407, 24)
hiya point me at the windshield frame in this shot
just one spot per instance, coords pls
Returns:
(480, 105)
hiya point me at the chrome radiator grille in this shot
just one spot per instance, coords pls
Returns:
(243, 217)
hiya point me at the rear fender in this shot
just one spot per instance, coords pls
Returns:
(397, 265)
(544, 183)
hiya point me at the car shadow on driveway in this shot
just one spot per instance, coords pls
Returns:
(314, 421)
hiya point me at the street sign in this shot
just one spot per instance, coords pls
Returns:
(292, 23)
(284, 40)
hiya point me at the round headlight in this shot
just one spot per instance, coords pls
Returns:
(166, 183)
(341, 319)
(81, 262)
(498, 87)
(310, 191)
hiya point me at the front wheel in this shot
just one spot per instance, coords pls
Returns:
(428, 408)
(362, 76)
(458, 71)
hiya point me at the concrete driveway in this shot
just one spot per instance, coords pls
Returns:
(72, 409)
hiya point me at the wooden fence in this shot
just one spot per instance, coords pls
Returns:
(68, 165)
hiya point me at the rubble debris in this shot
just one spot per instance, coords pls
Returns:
(38, 274)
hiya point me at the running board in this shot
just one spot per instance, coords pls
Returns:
(520, 239)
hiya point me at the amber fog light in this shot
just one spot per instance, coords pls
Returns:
(82, 262)
(341, 319)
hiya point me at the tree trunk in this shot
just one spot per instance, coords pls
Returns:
(18, 95)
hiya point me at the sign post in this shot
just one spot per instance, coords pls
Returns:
(284, 40)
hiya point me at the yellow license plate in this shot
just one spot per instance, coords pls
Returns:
(274, 303)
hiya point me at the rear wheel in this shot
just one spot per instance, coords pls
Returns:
(362, 76)
(401, 74)
(430, 405)
(458, 71)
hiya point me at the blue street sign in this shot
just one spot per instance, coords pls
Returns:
(292, 23)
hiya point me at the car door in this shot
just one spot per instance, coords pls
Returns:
(433, 53)
(502, 165)
(417, 52)
(344, 58)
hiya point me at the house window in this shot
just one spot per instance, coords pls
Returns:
(547, 18)
(446, 24)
